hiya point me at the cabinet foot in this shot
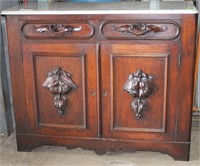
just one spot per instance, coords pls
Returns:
(100, 152)
(26, 148)
(69, 147)
(26, 144)
(183, 156)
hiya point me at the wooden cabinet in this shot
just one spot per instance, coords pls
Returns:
(103, 82)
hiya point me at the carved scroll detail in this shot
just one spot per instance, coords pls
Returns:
(139, 85)
(58, 29)
(140, 29)
(59, 84)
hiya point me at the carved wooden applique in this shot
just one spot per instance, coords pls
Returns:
(139, 85)
(58, 29)
(140, 29)
(59, 83)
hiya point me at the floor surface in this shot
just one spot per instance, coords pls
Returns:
(60, 156)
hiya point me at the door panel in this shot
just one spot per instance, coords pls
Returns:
(140, 83)
(61, 89)
(156, 66)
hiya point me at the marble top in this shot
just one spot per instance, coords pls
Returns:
(61, 8)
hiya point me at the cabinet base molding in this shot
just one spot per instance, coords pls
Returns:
(177, 150)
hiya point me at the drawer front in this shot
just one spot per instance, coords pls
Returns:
(57, 30)
(143, 30)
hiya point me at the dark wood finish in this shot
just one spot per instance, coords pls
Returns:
(147, 30)
(55, 29)
(119, 120)
(178, 150)
(80, 116)
(17, 76)
(59, 83)
(139, 85)
(186, 71)
(97, 112)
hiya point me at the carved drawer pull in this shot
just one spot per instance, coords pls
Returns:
(139, 85)
(59, 83)
(140, 29)
(58, 29)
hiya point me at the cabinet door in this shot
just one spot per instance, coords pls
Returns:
(139, 91)
(61, 89)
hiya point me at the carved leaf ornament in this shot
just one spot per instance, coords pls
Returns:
(139, 85)
(58, 29)
(59, 83)
(140, 29)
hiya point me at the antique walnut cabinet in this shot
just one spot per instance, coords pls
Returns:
(103, 76)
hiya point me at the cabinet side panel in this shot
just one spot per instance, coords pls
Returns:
(16, 73)
(186, 77)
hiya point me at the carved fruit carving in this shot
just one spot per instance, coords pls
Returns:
(59, 84)
(139, 85)
(140, 29)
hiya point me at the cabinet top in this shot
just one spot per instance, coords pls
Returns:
(62, 8)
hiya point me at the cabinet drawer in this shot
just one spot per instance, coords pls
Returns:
(143, 30)
(80, 30)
